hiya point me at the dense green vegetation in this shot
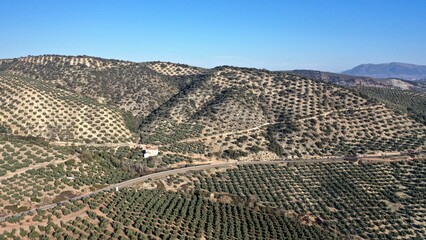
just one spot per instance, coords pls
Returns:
(132, 160)
(372, 201)
(131, 214)
(91, 170)
(187, 148)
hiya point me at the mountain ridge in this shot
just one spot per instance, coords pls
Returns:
(234, 112)
(401, 70)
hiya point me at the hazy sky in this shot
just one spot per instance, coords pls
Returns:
(326, 35)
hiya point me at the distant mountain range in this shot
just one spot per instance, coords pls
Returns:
(389, 70)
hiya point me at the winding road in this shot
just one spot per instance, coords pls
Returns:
(166, 173)
(192, 168)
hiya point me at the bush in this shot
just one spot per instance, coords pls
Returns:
(234, 154)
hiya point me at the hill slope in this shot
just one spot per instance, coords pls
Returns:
(389, 70)
(229, 112)
(232, 112)
(196, 115)
(412, 103)
(34, 108)
(356, 81)
(132, 87)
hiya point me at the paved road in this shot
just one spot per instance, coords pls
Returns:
(166, 173)
(193, 168)
(129, 183)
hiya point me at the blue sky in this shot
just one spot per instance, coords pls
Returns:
(329, 35)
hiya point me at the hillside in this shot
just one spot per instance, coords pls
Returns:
(420, 83)
(389, 70)
(224, 112)
(31, 107)
(34, 173)
(233, 112)
(360, 81)
(132, 87)
(63, 135)
(328, 191)
(412, 103)
(357, 200)
(157, 214)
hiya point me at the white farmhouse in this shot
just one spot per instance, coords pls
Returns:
(150, 152)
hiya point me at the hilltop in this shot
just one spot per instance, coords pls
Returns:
(230, 112)
(249, 113)
(34, 108)
(138, 88)
(389, 70)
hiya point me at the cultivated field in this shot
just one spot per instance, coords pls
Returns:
(34, 108)
(234, 112)
(156, 214)
(412, 103)
(131, 87)
(72, 126)
(368, 200)
(174, 69)
(53, 175)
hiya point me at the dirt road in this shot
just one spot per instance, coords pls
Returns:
(35, 166)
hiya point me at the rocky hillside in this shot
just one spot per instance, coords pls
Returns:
(389, 70)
